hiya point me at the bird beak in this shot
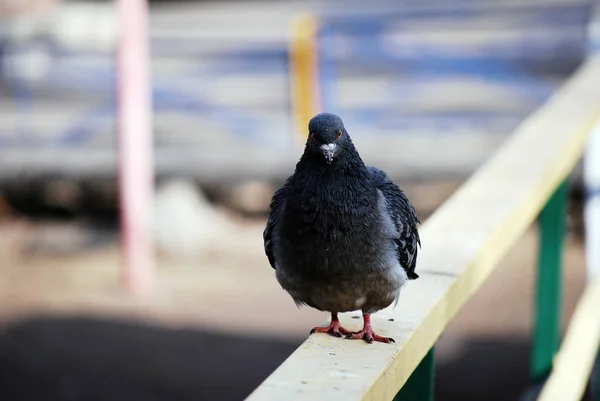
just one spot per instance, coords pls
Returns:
(328, 151)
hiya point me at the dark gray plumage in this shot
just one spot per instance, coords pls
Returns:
(341, 236)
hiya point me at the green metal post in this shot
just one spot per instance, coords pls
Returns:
(595, 380)
(546, 336)
(419, 386)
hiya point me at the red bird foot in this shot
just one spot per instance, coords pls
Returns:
(334, 328)
(368, 334)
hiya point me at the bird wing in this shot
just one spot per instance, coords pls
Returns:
(405, 218)
(276, 206)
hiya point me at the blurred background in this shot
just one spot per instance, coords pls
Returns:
(427, 89)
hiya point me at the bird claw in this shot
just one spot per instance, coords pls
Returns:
(334, 329)
(369, 336)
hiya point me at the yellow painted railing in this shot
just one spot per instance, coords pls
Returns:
(462, 243)
(575, 360)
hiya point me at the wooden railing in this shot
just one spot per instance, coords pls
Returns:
(462, 243)
(575, 360)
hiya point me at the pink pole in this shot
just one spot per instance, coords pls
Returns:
(136, 177)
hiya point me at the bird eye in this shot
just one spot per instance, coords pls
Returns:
(340, 134)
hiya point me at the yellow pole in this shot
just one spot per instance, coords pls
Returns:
(304, 73)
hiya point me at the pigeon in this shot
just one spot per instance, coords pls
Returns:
(341, 235)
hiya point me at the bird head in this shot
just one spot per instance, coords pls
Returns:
(327, 137)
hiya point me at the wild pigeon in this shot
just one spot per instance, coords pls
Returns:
(341, 235)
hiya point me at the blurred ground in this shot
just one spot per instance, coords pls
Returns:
(219, 324)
